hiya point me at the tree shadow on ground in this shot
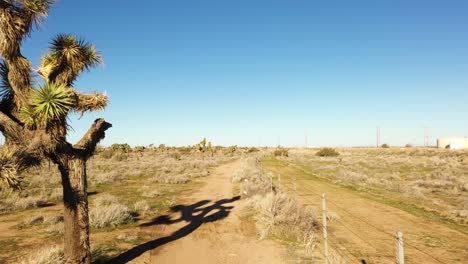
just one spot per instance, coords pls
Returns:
(195, 214)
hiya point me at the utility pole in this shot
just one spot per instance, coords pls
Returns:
(378, 136)
(305, 139)
(426, 136)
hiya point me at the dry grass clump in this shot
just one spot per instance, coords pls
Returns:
(279, 215)
(141, 206)
(108, 212)
(170, 178)
(276, 214)
(281, 152)
(251, 178)
(108, 177)
(126, 237)
(46, 255)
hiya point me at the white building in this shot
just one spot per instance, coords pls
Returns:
(453, 143)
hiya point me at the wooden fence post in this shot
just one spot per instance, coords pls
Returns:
(324, 223)
(400, 256)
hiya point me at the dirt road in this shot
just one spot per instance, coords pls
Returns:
(205, 228)
(364, 231)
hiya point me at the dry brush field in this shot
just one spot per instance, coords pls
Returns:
(372, 193)
(126, 188)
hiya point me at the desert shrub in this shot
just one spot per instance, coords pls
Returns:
(175, 155)
(281, 152)
(385, 146)
(109, 216)
(55, 229)
(139, 149)
(408, 146)
(141, 206)
(120, 156)
(108, 212)
(146, 191)
(278, 215)
(170, 178)
(47, 255)
(327, 152)
(185, 150)
(108, 177)
(105, 199)
(125, 148)
(106, 154)
(252, 150)
(252, 180)
(230, 149)
(29, 202)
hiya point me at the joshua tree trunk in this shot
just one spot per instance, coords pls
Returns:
(76, 219)
(34, 120)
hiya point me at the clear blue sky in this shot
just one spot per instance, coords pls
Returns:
(258, 72)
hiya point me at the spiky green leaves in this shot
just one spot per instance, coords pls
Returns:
(51, 101)
(48, 104)
(68, 56)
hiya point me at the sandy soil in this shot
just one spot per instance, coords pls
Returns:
(206, 228)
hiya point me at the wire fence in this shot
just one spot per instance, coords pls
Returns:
(336, 247)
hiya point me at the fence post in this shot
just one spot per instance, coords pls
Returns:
(324, 223)
(400, 256)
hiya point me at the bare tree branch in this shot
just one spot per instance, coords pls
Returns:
(96, 133)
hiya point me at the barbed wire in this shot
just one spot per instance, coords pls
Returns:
(356, 217)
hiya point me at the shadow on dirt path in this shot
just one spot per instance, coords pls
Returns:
(195, 214)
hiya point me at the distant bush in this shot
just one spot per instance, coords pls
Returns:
(252, 149)
(327, 152)
(139, 148)
(230, 149)
(107, 154)
(281, 152)
(385, 146)
(120, 156)
(125, 148)
(185, 150)
(175, 155)
(408, 146)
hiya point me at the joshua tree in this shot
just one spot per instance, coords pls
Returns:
(201, 147)
(33, 120)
